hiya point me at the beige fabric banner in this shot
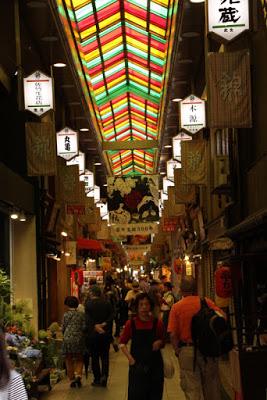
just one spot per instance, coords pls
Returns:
(229, 90)
(68, 184)
(41, 148)
(185, 192)
(174, 208)
(194, 161)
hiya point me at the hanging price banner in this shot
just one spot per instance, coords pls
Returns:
(228, 18)
(192, 114)
(38, 93)
(67, 143)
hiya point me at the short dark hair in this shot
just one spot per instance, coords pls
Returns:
(143, 296)
(4, 363)
(188, 285)
(71, 301)
(96, 291)
(168, 285)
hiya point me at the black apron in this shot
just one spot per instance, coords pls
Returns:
(146, 376)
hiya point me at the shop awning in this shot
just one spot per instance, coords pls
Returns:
(89, 244)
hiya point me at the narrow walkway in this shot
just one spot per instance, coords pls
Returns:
(117, 384)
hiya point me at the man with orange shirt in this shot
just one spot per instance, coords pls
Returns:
(202, 381)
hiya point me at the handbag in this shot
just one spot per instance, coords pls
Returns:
(168, 366)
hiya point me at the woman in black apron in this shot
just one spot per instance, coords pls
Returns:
(146, 378)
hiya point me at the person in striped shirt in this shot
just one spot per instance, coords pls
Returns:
(11, 382)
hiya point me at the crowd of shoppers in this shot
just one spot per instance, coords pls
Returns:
(147, 315)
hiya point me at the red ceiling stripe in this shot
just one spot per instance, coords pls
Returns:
(135, 11)
(108, 11)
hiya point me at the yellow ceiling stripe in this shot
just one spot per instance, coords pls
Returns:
(110, 20)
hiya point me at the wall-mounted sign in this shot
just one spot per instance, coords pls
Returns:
(38, 93)
(75, 209)
(176, 148)
(88, 179)
(192, 114)
(67, 143)
(141, 248)
(78, 160)
(166, 183)
(95, 193)
(228, 18)
(134, 229)
(171, 166)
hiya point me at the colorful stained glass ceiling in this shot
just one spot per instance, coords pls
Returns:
(124, 47)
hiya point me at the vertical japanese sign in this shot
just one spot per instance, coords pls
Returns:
(41, 149)
(78, 160)
(38, 93)
(88, 179)
(171, 166)
(230, 90)
(67, 143)
(192, 114)
(228, 18)
(194, 161)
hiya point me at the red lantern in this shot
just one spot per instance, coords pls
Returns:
(178, 266)
(223, 282)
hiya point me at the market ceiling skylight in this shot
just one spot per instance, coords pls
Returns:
(124, 47)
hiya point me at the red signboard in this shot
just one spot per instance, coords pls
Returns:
(75, 209)
(170, 224)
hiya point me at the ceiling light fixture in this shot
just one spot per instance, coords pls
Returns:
(68, 86)
(197, 1)
(84, 129)
(49, 38)
(59, 65)
(14, 215)
(190, 34)
(22, 217)
(168, 146)
(67, 254)
(97, 163)
(162, 173)
(64, 234)
(176, 100)
(36, 4)
(74, 103)
(185, 61)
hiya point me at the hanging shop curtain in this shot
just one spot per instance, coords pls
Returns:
(68, 184)
(89, 244)
(194, 161)
(185, 193)
(41, 148)
(229, 90)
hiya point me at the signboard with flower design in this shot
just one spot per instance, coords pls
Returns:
(133, 200)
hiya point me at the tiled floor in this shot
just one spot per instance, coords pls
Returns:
(117, 385)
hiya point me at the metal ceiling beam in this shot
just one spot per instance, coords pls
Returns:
(130, 145)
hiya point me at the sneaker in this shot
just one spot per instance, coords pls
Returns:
(103, 381)
(96, 383)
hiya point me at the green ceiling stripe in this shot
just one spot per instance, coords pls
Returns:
(112, 53)
(135, 28)
(84, 12)
(135, 51)
(110, 29)
(136, 67)
(101, 4)
(115, 69)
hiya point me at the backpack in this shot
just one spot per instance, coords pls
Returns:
(211, 333)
